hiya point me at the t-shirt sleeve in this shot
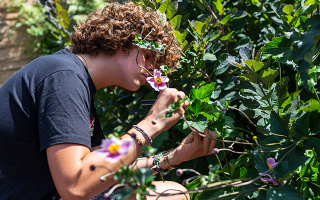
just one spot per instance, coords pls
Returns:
(97, 133)
(63, 101)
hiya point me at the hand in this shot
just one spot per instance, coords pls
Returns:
(166, 97)
(194, 146)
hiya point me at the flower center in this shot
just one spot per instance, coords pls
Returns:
(269, 166)
(157, 80)
(113, 148)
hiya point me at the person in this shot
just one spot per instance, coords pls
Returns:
(49, 126)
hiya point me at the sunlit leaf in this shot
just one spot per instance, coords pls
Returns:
(288, 9)
(227, 36)
(163, 6)
(268, 75)
(175, 22)
(217, 6)
(225, 19)
(172, 9)
(254, 65)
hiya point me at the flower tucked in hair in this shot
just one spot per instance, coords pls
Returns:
(271, 162)
(113, 149)
(158, 82)
(270, 179)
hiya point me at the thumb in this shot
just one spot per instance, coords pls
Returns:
(188, 139)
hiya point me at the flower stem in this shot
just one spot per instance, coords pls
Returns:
(140, 65)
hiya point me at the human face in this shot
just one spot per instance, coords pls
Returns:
(133, 75)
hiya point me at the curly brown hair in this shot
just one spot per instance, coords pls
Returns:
(116, 26)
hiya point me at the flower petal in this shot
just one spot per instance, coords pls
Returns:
(162, 86)
(113, 158)
(271, 161)
(123, 149)
(164, 79)
(156, 73)
(150, 79)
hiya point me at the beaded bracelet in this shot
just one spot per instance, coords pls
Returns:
(143, 133)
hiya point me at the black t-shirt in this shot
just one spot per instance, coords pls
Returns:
(47, 102)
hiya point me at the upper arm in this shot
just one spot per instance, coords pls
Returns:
(65, 163)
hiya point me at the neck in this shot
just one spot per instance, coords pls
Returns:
(101, 69)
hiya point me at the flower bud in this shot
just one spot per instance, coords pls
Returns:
(184, 182)
(154, 122)
(142, 22)
(230, 147)
(164, 45)
(92, 167)
(254, 137)
(210, 166)
(106, 196)
(147, 155)
(153, 30)
(215, 151)
(140, 38)
(179, 172)
(158, 50)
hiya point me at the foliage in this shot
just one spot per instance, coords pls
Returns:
(249, 68)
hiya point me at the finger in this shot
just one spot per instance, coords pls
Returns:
(188, 139)
(212, 142)
(197, 138)
(206, 141)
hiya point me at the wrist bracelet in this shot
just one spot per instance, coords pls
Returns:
(143, 133)
(138, 140)
(156, 162)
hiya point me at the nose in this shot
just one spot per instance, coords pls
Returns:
(150, 68)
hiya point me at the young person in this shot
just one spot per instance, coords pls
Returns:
(48, 122)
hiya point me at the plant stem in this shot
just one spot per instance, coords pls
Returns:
(225, 156)
(220, 164)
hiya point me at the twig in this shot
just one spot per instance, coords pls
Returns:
(220, 25)
(224, 153)
(248, 191)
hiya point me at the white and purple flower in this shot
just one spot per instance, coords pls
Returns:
(271, 162)
(114, 148)
(158, 82)
(269, 179)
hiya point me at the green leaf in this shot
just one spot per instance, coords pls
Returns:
(281, 169)
(284, 193)
(249, 77)
(217, 6)
(260, 165)
(288, 9)
(203, 93)
(58, 7)
(200, 123)
(278, 126)
(180, 36)
(64, 14)
(240, 14)
(209, 56)
(290, 98)
(243, 172)
(225, 19)
(302, 125)
(175, 22)
(267, 96)
(227, 36)
(311, 143)
(305, 47)
(310, 106)
(314, 124)
(268, 75)
(172, 9)
(254, 65)
(297, 162)
(163, 6)
(200, 27)
(215, 35)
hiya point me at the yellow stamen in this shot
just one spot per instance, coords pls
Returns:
(157, 80)
(269, 166)
(114, 148)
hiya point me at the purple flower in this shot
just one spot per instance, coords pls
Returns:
(158, 82)
(269, 179)
(113, 149)
(271, 162)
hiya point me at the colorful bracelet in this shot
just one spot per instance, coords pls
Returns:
(143, 133)
(155, 164)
